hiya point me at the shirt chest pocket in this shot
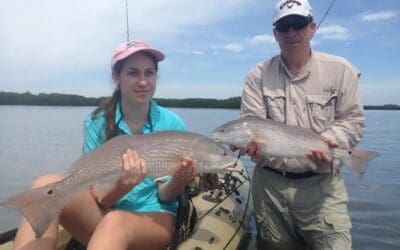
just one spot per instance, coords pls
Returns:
(321, 110)
(275, 103)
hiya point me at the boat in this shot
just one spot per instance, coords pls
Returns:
(221, 202)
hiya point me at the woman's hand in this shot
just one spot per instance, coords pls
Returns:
(133, 170)
(186, 170)
(183, 173)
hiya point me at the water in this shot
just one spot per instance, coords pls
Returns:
(38, 140)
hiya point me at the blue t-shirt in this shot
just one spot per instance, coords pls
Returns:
(144, 196)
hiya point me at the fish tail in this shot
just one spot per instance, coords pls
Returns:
(39, 206)
(357, 160)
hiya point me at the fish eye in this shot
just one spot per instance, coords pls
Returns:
(50, 191)
(349, 152)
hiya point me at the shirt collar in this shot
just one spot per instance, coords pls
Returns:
(148, 126)
(306, 71)
(154, 112)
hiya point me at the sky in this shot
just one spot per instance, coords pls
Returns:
(50, 46)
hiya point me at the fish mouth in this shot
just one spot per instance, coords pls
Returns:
(216, 137)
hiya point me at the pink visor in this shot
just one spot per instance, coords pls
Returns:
(124, 50)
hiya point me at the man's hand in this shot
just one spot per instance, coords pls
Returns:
(251, 150)
(319, 156)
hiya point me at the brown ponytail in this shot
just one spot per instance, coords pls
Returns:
(108, 106)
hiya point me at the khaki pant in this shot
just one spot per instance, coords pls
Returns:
(301, 213)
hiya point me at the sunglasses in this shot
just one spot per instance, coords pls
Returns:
(296, 24)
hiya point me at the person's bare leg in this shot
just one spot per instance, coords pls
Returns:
(81, 215)
(126, 230)
(25, 238)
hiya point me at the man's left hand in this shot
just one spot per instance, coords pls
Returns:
(319, 156)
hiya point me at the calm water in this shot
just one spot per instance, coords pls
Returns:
(38, 140)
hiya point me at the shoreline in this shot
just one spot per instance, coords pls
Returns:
(56, 99)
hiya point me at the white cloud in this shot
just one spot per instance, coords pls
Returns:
(263, 39)
(334, 32)
(234, 47)
(378, 16)
(198, 52)
(47, 44)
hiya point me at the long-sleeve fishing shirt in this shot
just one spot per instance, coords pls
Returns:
(324, 97)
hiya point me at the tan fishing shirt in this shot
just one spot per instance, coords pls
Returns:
(325, 97)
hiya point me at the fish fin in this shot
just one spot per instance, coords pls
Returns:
(248, 115)
(357, 160)
(39, 206)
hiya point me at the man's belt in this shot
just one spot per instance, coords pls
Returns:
(291, 175)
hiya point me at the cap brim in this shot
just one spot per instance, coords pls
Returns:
(291, 14)
(157, 54)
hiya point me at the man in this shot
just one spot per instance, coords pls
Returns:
(314, 90)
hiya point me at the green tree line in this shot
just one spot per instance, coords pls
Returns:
(55, 99)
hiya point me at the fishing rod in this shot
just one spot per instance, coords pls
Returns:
(127, 21)
(326, 13)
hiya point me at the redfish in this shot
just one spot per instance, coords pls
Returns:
(162, 152)
(276, 139)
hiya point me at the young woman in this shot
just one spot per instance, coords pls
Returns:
(137, 212)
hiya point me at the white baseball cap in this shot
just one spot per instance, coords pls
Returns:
(292, 7)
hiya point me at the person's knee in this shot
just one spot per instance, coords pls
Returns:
(121, 228)
(165, 237)
(267, 241)
(113, 225)
(113, 219)
(273, 235)
(113, 222)
(46, 179)
(329, 231)
(333, 240)
(166, 229)
(279, 245)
